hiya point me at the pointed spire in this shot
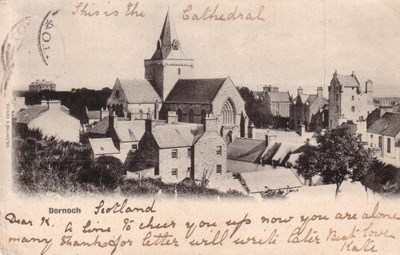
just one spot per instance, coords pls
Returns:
(168, 41)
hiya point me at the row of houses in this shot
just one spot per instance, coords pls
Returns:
(348, 101)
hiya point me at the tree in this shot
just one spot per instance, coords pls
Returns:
(308, 164)
(256, 109)
(106, 173)
(338, 156)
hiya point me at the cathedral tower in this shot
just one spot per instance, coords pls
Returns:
(168, 63)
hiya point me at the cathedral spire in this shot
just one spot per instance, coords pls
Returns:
(168, 45)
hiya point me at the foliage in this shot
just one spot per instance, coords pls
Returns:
(185, 188)
(256, 109)
(278, 193)
(105, 173)
(44, 164)
(76, 99)
(339, 156)
(382, 178)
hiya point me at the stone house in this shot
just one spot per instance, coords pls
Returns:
(51, 118)
(384, 136)
(348, 101)
(310, 110)
(177, 151)
(278, 102)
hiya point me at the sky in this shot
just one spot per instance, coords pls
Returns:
(298, 43)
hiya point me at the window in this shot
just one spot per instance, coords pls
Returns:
(134, 146)
(277, 105)
(179, 71)
(174, 172)
(352, 98)
(353, 109)
(380, 142)
(174, 153)
(388, 145)
(337, 108)
(372, 136)
(219, 169)
(189, 169)
(219, 150)
(228, 112)
(337, 97)
(191, 116)
(189, 152)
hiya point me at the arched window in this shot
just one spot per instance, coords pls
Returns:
(203, 116)
(228, 112)
(180, 115)
(191, 116)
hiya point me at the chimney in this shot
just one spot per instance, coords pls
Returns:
(302, 130)
(250, 130)
(369, 86)
(353, 74)
(112, 120)
(148, 125)
(54, 105)
(44, 102)
(320, 92)
(172, 117)
(104, 113)
(156, 110)
(210, 124)
(300, 91)
(276, 89)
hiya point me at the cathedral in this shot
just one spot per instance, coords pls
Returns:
(170, 85)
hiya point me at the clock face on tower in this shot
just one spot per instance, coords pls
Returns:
(175, 44)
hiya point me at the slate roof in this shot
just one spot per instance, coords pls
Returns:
(102, 146)
(130, 131)
(100, 127)
(311, 98)
(31, 113)
(279, 96)
(177, 135)
(387, 125)
(351, 127)
(34, 111)
(139, 91)
(93, 115)
(348, 80)
(249, 150)
(279, 178)
(195, 90)
(270, 151)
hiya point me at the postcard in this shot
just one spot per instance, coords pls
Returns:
(199, 127)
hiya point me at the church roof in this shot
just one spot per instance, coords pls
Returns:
(168, 45)
(139, 91)
(195, 90)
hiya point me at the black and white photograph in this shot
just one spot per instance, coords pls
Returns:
(200, 127)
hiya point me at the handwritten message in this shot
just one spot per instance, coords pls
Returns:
(124, 226)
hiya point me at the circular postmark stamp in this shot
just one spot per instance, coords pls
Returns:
(46, 35)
